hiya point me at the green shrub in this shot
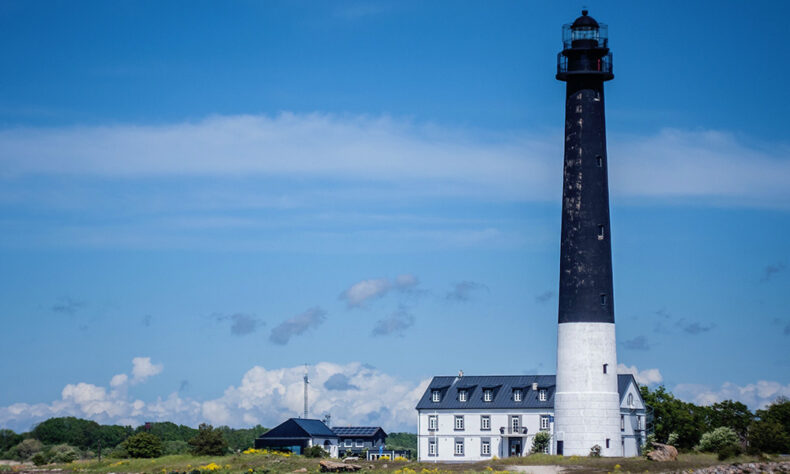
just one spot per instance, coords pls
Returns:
(718, 439)
(315, 452)
(208, 442)
(767, 436)
(672, 439)
(541, 441)
(26, 449)
(143, 445)
(729, 452)
(118, 452)
(63, 453)
(39, 459)
(175, 447)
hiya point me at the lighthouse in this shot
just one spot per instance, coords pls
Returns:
(586, 403)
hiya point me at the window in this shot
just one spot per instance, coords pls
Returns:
(485, 447)
(604, 367)
(622, 422)
(600, 232)
(462, 395)
(515, 423)
(360, 443)
(599, 161)
(459, 447)
(431, 447)
(435, 396)
(517, 395)
(348, 443)
(459, 422)
(544, 422)
(607, 443)
(488, 395)
(542, 395)
(433, 423)
(485, 423)
(630, 399)
(639, 422)
(603, 299)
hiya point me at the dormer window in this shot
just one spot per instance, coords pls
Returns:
(462, 395)
(488, 395)
(517, 395)
(542, 395)
(436, 396)
(630, 399)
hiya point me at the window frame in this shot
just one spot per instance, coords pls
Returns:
(433, 447)
(433, 422)
(459, 442)
(456, 424)
(485, 447)
(436, 396)
(515, 423)
(517, 395)
(488, 395)
(542, 394)
(485, 422)
(545, 422)
(462, 395)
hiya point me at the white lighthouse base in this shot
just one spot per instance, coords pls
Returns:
(586, 401)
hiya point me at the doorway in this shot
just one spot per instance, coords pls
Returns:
(559, 448)
(515, 447)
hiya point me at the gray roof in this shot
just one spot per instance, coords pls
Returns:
(357, 431)
(622, 384)
(502, 387)
(315, 427)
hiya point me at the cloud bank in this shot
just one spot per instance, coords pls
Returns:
(417, 158)
(354, 394)
(643, 377)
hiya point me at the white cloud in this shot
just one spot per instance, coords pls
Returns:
(119, 380)
(265, 396)
(755, 395)
(643, 377)
(361, 292)
(417, 158)
(142, 368)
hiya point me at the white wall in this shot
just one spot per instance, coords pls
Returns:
(472, 434)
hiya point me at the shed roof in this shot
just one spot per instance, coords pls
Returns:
(358, 431)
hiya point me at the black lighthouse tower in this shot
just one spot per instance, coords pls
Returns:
(585, 64)
(587, 410)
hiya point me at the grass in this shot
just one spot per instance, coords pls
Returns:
(272, 463)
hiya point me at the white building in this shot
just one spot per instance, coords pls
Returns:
(473, 418)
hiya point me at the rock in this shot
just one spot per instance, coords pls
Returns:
(351, 458)
(663, 452)
(332, 466)
(304, 469)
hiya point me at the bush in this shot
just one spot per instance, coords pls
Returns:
(541, 441)
(39, 459)
(672, 439)
(143, 445)
(767, 437)
(718, 439)
(175, 447)
(26, 449)
(595, 451)
(729, 452)
(315, 452)
(208, 442)
(63, 453)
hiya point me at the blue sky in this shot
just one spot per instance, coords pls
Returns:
(198, 198)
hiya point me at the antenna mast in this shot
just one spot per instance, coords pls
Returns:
(306, 381)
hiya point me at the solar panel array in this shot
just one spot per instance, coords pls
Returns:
(355, 430)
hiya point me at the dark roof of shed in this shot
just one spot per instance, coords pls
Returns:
(299, 428)
(622, 384)
(358, 431)
(502, 386)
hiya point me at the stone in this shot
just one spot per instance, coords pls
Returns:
(663, 452)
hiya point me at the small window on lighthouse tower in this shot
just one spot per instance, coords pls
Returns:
(605, 366)
(600, 232)
(604, 299)
(599, 161)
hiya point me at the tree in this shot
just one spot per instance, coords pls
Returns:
(728, 413)
(68, 430)
(767, 436)
(8, 439)
(26, 449)
(143, 445)
(671, 414)
(208, 441)
(541, 441)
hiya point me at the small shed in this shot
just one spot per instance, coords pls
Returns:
(297, 434)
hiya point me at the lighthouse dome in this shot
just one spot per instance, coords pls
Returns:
(584, 21)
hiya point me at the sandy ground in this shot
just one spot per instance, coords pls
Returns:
(539, 469)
